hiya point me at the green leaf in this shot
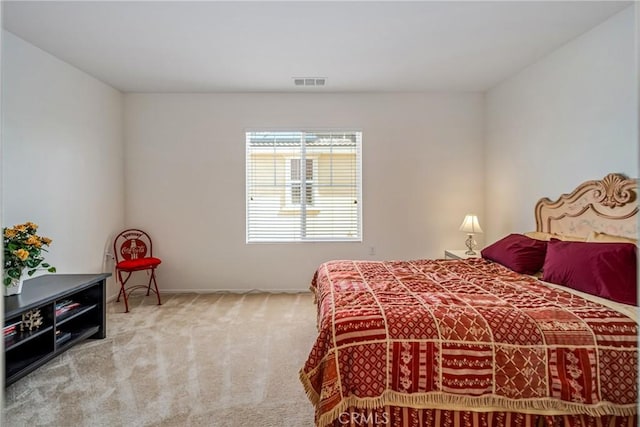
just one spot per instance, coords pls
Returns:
(51, 269)
(45, 265)
(30, 272)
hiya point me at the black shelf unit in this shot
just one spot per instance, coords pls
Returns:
(27, 350)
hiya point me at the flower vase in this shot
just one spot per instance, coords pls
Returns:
(15, 287)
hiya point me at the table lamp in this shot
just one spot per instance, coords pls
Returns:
(471, 226)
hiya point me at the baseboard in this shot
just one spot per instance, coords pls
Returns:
(233, 291)
(113, 297)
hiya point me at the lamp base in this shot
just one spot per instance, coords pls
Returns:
(470, 244)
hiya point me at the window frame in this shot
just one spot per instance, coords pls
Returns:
(306, 209)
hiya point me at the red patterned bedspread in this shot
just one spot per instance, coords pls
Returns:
(464, 336)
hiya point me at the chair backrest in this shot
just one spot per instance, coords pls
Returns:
(132, 244)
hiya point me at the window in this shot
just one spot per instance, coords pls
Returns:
(303, 186)
(294, 188)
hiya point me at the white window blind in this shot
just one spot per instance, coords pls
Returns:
(304, 186)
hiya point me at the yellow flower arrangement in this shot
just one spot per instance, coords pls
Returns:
(23, 250)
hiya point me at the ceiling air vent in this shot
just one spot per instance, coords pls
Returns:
(309, 81)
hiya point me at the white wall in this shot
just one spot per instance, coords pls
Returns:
(185, 179)
(568, 118)
(62, 154)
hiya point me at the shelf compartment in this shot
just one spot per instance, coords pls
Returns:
(72, 314)
(34, 352)
(77, 336)
(23, 337)
(20, 368)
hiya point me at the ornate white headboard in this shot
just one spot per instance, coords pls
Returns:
(609, 205)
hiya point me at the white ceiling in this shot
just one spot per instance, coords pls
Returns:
(154, 46)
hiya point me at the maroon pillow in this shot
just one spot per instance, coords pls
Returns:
(607, 270)
(518, 252)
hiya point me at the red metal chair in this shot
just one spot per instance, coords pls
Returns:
(134, 252)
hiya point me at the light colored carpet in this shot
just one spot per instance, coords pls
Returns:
(197, 360)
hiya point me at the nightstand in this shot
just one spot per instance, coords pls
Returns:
(459, 254)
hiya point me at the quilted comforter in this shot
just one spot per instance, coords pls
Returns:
(464, 335)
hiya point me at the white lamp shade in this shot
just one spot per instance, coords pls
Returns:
(471, 224)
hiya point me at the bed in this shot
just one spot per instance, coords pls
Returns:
(475, 343)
